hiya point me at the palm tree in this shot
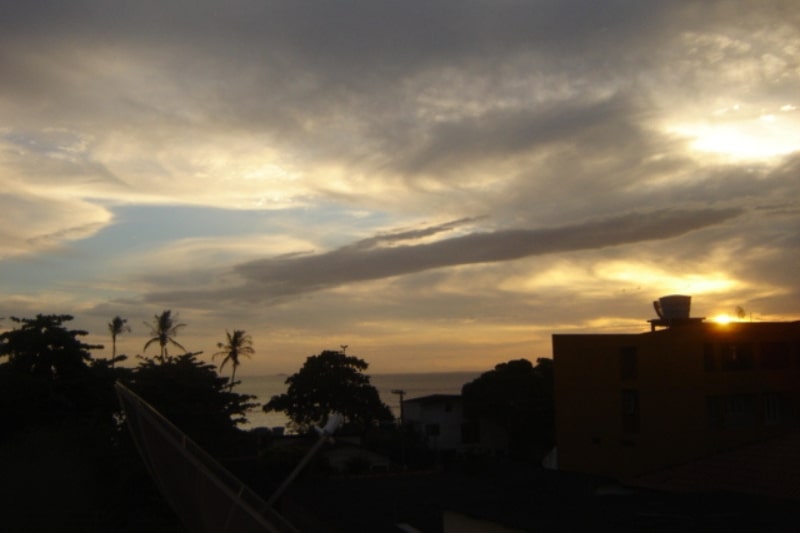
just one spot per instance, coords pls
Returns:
(239, 343)
(163, 329)
(117, 326)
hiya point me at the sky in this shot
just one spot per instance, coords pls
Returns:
(438, 186)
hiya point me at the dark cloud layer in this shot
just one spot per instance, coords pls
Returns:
(366, 260)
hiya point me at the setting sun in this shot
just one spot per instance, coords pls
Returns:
(723, 319)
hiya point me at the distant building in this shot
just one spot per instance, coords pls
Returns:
(634, 404)
(440, 419)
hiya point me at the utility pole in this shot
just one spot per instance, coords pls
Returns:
(401, 393)
(402, 433)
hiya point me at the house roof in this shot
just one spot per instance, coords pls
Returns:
(768, 468)
(434, 398)
(522, 497)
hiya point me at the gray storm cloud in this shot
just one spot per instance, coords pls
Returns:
(360, 262)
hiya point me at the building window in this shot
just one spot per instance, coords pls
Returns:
(733, 411)
(432, 430)
(715, 410)
(470, 433)
(709, 357)
(736, 356)
(628, 363)
(774, 410)
(630, 410)
(741, 410)
(776, 355)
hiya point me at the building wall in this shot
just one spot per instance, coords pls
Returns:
(440, 418)
(630, 404)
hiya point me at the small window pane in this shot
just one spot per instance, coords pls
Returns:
(628, 362)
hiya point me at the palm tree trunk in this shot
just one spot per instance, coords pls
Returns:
(233, 377)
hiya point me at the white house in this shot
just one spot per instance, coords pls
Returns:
(440, 419)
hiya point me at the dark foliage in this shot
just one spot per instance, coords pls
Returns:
(403, 445)
(67, 462)
(237, 344)
(519, 397)
(60, 438)
(191, 395)
(43, 347)
(51, 378)
(331, 382)
(163, 330)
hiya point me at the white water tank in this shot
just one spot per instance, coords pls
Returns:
(674, 306)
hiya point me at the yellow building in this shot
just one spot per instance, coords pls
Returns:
(632, 404)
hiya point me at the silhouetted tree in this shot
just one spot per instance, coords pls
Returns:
(519, 397)
(330, 382)
(163, 330)
(116, 327)
(192, 396)
(61, 440)
(50, 376)
(43, 346)
(237, 344)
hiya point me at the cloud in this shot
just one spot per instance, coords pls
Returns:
(167, 143)
(457, 105)
(501, 133)
(42, 223)
(366, 260)
(411, 234)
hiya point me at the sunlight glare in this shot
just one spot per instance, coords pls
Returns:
(764, 137)
(620, 275)
(723, 319)
(662, 280)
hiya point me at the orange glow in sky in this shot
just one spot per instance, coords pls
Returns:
(723, 319)
(437, 195)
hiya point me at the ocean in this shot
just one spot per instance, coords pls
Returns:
(414, 385)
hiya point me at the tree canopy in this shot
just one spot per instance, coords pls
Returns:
(163, 331)
(43, 346)
(237, 344)
(191, 395)
(61, 435)
(519, 397)
(117, 327)
(49, 376)
(330, 382)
